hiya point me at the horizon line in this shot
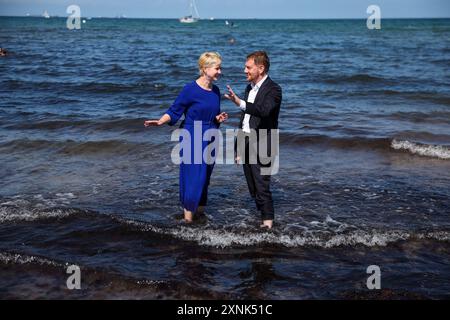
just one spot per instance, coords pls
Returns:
(214, 18)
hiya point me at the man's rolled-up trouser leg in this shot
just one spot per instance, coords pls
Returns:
(259, 185)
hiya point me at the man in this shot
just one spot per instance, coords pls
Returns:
(260, 109)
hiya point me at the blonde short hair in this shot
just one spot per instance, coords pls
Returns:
(208, 59)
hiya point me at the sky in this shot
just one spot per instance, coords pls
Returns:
(233, 9)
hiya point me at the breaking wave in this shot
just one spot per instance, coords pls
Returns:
(222, 238)
(434, 151)
(327, 234)
(15, 258)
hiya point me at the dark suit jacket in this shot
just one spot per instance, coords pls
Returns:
(266, 108)
(264, 111)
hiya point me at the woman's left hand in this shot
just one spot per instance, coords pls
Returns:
(222, 117)
(153, 123)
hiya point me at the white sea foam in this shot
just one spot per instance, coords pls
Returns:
(436, 235)
(434, 151)
(38, 207)
(8, 214)
(222, 238)
(68, 195)
(8, 258)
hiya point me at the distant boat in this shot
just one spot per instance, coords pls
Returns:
(191, 18)
(231, 24)
(46, 15)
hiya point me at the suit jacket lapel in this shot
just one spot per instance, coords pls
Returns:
(247, 91)
(262, 90)
(260, 95)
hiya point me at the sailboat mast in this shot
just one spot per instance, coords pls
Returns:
(191, 18)
(195, 9)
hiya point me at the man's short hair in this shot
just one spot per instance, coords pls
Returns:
(260, 58)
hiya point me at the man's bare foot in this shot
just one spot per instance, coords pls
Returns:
(267, 224)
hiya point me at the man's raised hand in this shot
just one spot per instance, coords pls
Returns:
(232, 96)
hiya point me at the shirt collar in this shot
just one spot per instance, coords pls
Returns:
(259, 84)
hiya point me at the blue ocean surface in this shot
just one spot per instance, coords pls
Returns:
(364, 175)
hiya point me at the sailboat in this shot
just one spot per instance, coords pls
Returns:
(46, 15)
(191, 18)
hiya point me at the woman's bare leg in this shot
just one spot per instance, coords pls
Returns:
(188, 216)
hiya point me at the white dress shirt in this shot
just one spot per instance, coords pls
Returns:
(251, 99)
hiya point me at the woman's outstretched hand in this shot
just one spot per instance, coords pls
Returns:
(222, 117)
(156, 123)
(153, 123)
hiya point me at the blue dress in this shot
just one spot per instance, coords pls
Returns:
(197, 104)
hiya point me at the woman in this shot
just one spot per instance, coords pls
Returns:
(198, 101)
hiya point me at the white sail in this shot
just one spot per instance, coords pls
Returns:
(194, 16)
